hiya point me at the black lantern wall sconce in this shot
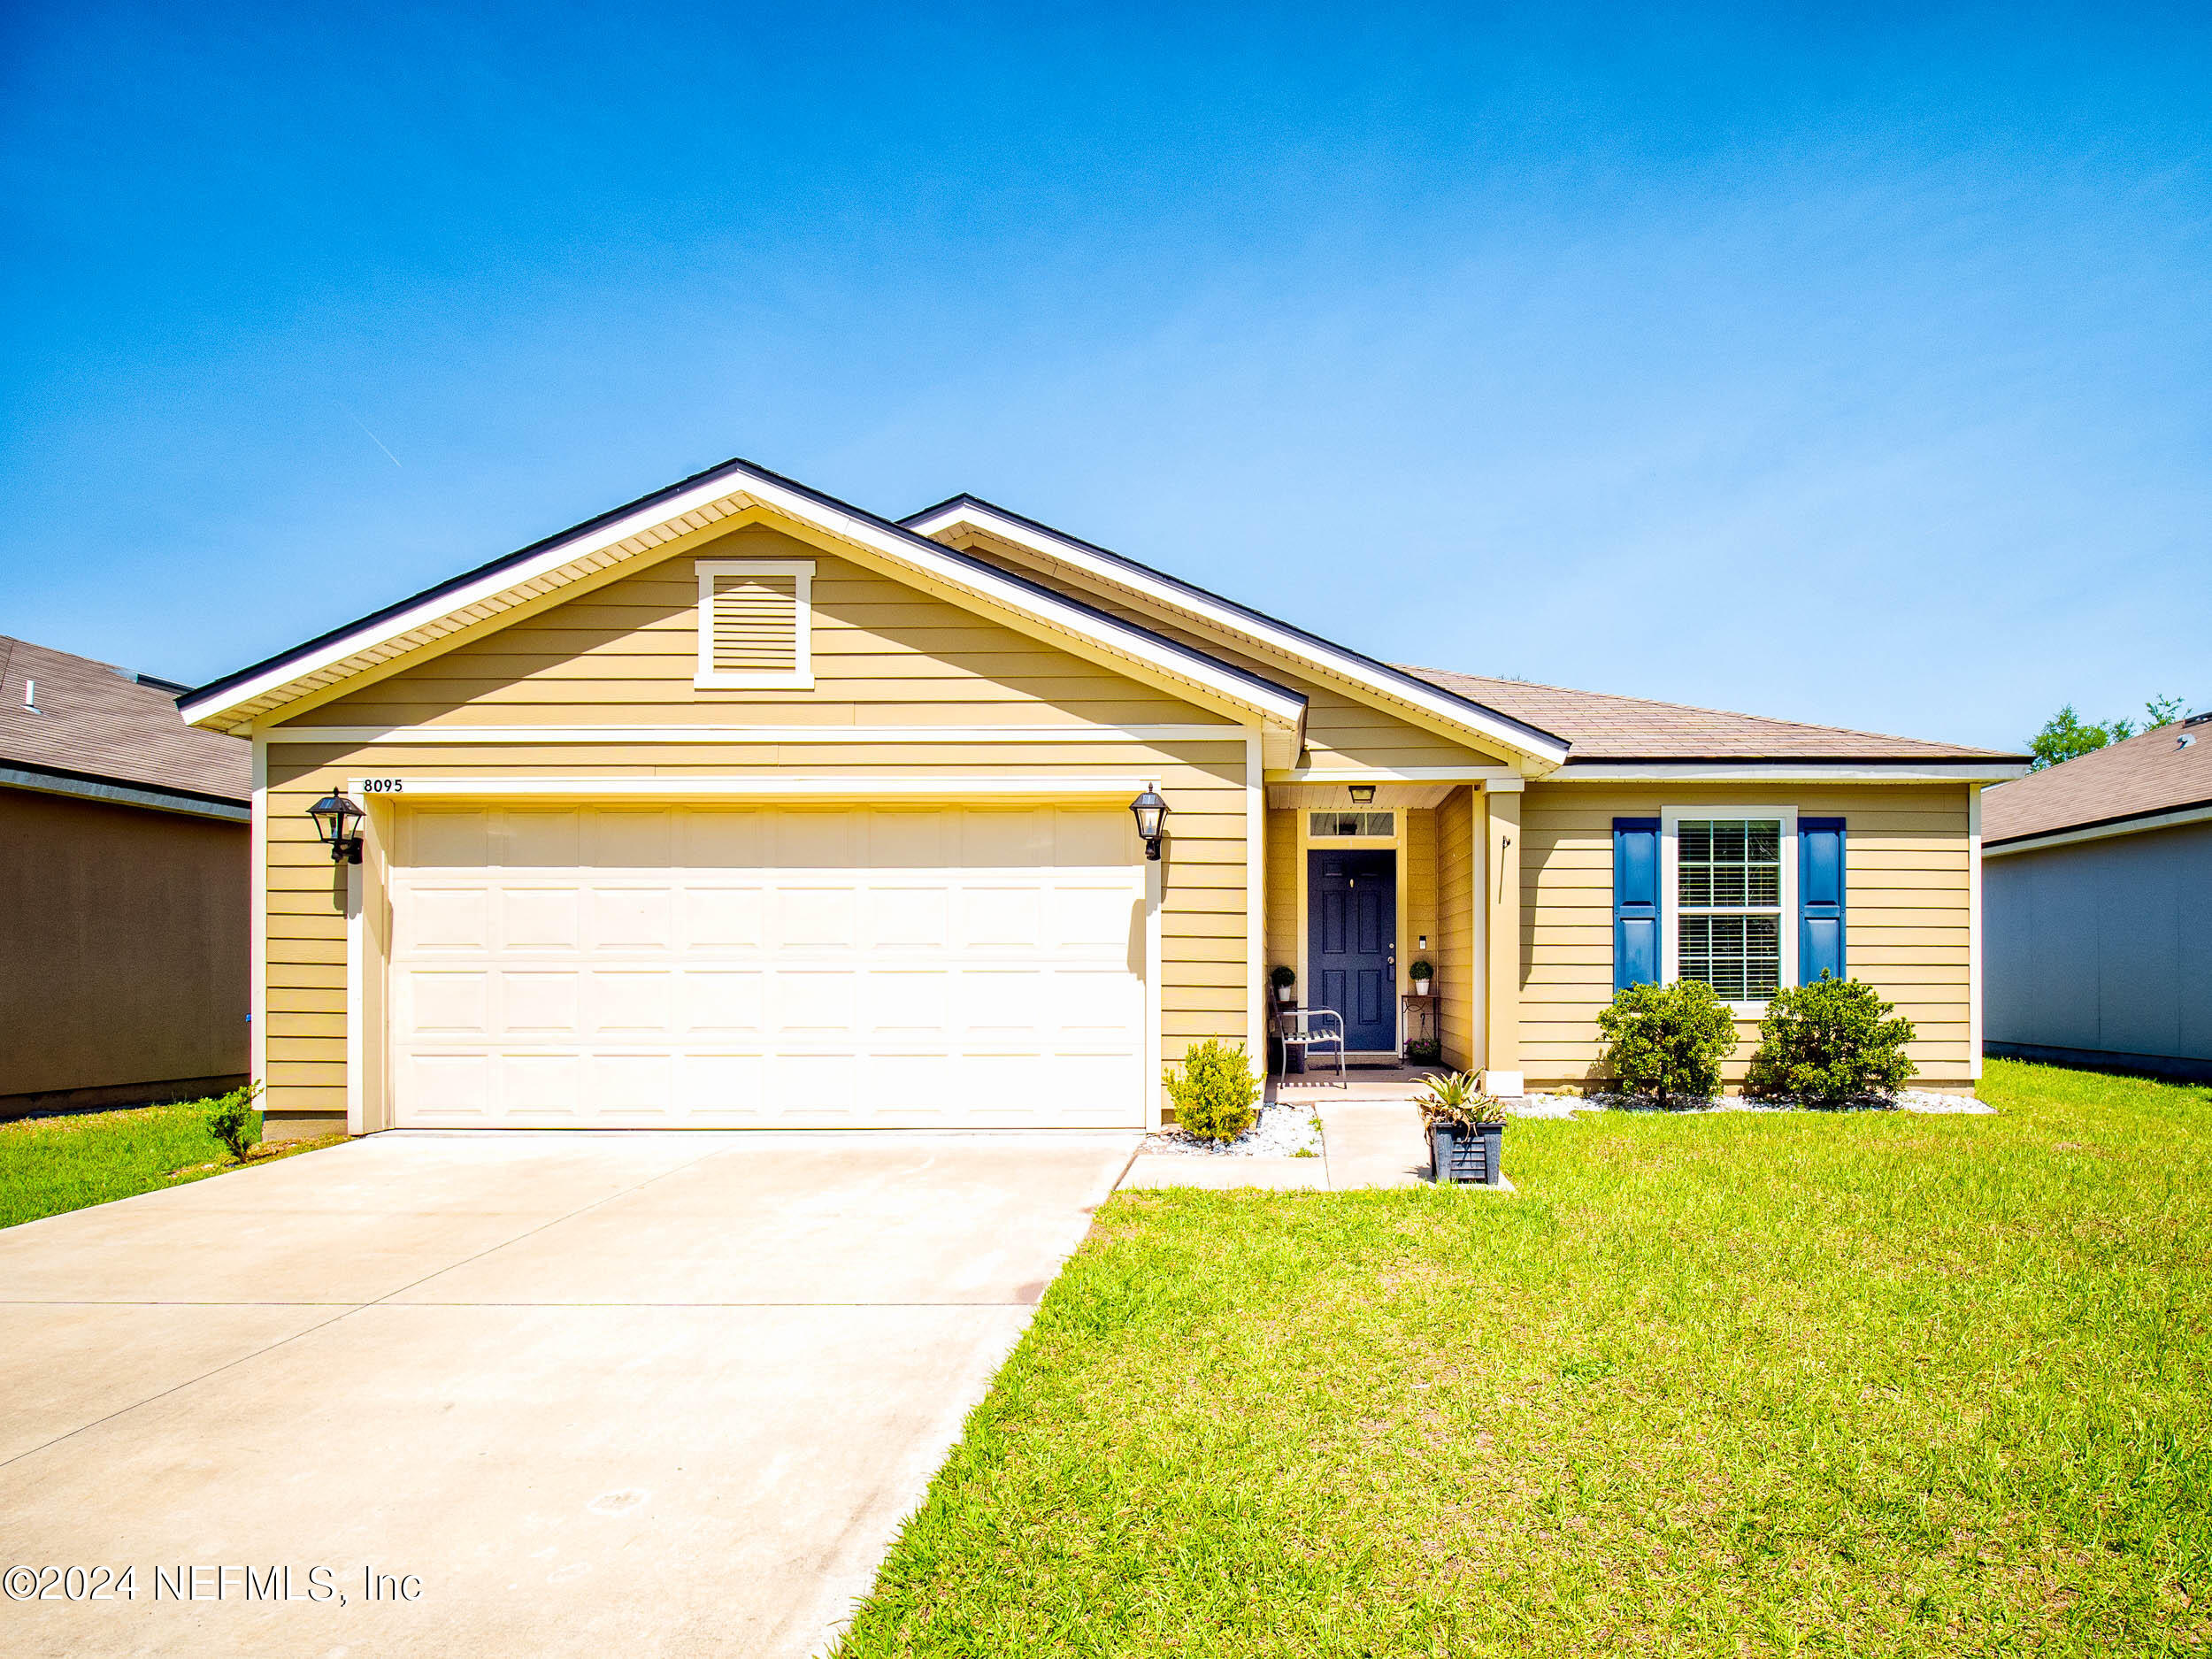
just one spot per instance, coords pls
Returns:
(338, 826)
(1151, 814)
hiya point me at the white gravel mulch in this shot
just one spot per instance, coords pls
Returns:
(1908, 1099)
(1280, 1131)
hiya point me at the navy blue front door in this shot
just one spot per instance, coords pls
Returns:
(1352, 943)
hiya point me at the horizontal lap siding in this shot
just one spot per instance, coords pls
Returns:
(1906, 881)
(1420, 855)
(1456, 899)
(1202, 967)
(1282, 887)
(623, 654)
(883, 653)
(1342, 733)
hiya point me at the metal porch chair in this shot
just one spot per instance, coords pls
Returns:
(1306, 1029)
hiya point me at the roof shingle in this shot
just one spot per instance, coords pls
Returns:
(95, 721)
(2152, 771)
(1604, 726)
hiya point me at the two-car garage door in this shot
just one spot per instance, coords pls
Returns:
(697, 965)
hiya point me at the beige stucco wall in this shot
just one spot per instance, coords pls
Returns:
(884, 654)
(123, 952)
(1905, 887)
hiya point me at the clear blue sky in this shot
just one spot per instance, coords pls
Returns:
(1855, 371)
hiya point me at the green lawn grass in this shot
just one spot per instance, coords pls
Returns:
(1854, 1384)
(50, 1164)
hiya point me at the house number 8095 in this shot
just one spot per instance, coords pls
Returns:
(381, 786)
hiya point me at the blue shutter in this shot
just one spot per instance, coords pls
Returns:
(1819, 898)
(1635, 902)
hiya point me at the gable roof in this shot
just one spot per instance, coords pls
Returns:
(633, 531)
(1470, 714)
(2168, 769)
(1606, 728)
(100, 724)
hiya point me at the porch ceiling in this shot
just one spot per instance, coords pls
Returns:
(1318, 796)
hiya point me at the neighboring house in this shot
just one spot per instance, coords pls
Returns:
(739, 805)
(124, 877)
(2098, 895)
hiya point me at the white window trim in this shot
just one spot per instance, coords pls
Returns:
(1669, 942)
(801, 677)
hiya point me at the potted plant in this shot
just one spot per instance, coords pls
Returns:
(1466, 1130)
(1423, 1051)
(1423, 974)
(1282, 976)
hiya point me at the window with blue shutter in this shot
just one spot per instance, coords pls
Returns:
(1820, 905)
(1635, 902)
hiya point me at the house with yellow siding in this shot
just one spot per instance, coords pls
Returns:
(741, 806)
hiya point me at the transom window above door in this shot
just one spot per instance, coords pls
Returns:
(1728, 894)
(1322, 826)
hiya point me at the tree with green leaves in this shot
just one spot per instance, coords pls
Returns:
(2067, 736)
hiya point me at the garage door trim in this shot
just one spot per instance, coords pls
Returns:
(369, 1103)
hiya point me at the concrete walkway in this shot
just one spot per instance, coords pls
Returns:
(641, 1393)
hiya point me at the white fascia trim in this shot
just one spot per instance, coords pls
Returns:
(1973, 931)
(725, 736)
(123, 794)
(257, 918)
(357, 1011)
(1670, 934)
(1274, 702)
(1299, 647)
(2101, 832)
(800, 676)
(1499, 775)
(1789, 772)
(1254, 907)
(771, 786)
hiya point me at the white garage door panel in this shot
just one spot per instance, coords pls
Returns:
(597, 967)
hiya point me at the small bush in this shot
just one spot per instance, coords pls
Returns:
(1831, 1043)
(1214, 1094)
(1455, 1100)
(1669, 1042)
(233, 1120)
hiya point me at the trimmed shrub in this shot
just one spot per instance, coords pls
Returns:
(1834, 1042)
(233, 1120)
(1214, 1094)
(1669, 1042)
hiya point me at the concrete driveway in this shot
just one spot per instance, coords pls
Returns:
(591, 1393)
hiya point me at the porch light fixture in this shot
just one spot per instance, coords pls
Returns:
(1151, 814)
(1363, 793)
(338, 826)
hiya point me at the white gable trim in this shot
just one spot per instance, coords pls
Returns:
(730, 489)
(1235, 619)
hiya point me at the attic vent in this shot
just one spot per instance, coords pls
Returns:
(754, 617)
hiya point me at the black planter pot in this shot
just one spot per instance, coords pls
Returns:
(1469, 1155)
